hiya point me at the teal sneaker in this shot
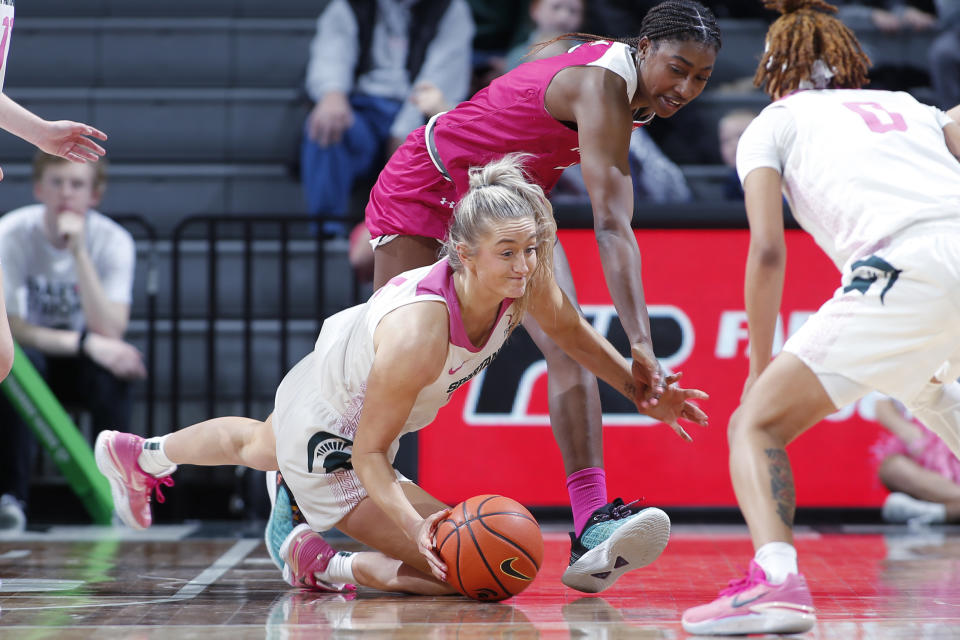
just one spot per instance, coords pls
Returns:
(617, 538)
(284, 517)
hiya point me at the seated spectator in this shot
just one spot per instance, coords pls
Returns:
(500, 25)
(551, 18)
(945, 55)
(68, 279)
(729, 129)
(656, 178)
(890, 17)
(616, 18)
(364, 59)
(918, 467)
(886, 15)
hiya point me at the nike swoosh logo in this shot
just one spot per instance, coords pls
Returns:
(734, 603)
(452, 371)
(507, 567)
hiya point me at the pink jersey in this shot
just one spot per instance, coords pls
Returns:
(411, 197)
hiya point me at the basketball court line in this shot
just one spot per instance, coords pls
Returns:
(193, 588)
(95, 533)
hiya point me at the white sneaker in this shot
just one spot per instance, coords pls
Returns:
(899, 507)
(12, 517)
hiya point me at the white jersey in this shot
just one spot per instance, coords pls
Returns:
(858, 166)
(344, 353)
(40, 280)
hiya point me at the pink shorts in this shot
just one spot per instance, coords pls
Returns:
(411, 197)
(930, 452)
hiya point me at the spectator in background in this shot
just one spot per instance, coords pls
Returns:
(68, 279)
(918, 467)
(945, 55)
(656, 178)
(500, 24)
(616, 18)
(364, 60)
(729, 129)
(887, 15)
(551, 18)
(890, 17)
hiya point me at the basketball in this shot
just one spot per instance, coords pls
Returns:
(492, 546)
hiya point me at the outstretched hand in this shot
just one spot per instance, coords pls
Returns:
(71, 141)
(647, 374)
(426, 543)
(675, 404)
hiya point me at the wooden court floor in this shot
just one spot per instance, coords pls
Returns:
(197, 581)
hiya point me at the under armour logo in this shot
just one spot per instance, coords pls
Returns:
(449, 203)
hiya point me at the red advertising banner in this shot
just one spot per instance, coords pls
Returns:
(494, 436)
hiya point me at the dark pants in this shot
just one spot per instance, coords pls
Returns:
(329, 172)
(76, 382)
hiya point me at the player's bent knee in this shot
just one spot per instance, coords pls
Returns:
(891, 471)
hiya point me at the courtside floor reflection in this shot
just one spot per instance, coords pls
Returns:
(195, 581)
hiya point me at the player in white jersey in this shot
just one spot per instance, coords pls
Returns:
(384, 368)
(875, 178)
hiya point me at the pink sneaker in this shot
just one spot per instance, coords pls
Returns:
(131, 487)
(753, 605)
(306, 556)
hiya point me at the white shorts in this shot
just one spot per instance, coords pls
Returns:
(893, 323)
(314, 460)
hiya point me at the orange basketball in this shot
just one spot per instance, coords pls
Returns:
(492, 546)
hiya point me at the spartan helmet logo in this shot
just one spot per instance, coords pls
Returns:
(329, 452)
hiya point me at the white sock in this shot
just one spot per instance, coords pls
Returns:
(778, 560)
(153, 460)
(340, 569)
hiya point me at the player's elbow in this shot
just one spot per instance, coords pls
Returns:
(768, 255)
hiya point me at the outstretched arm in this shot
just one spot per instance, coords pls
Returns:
(70, 140)
(411, 348)
(596, 100)
(557, 316)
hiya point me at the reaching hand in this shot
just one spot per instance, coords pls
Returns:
(648, 375)
(71, 140)
(426, 542)
(675, 404)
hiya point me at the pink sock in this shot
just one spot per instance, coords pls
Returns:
(588, 492)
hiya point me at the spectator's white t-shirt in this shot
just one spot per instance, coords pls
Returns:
(40, 281)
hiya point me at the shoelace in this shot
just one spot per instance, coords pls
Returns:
(753, 575)
(154, 484)
(618, 511)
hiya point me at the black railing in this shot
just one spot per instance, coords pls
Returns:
(143, 232)
(219, 234)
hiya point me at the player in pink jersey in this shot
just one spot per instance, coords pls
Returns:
(399, 357)
(577, 107)
(874, 177)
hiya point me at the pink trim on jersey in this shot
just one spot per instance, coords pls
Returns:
(439, 282)
(412, 198)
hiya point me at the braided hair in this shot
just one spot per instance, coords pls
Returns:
(805, 33)
(676, 20)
